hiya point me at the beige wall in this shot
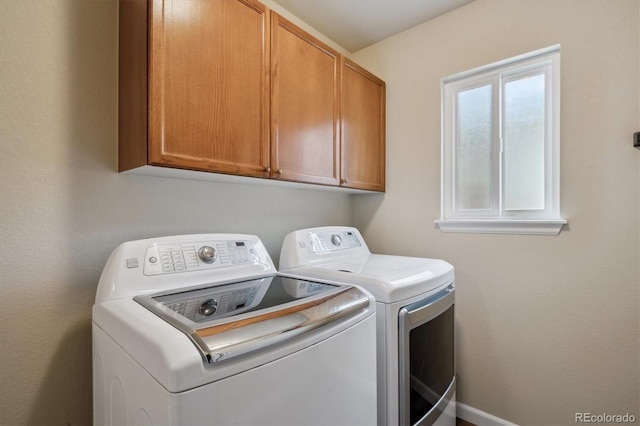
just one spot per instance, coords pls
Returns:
(63, 207)
(546, 326)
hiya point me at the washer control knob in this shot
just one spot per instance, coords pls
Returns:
(336, 240)
(208, 307)
(207, 254)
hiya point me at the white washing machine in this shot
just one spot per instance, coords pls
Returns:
(415, 318)
(201, 330)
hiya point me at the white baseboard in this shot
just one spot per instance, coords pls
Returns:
(480, 418)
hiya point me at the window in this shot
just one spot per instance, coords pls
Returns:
(501, 148)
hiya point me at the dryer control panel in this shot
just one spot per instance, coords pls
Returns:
(311, 246)
(319, 242)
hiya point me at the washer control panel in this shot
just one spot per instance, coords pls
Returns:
(320, 242)
(185, 257)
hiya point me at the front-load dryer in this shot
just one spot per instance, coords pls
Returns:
(201, 330)
(415, 299)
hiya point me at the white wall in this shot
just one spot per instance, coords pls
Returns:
(64, 208)
(546, 326)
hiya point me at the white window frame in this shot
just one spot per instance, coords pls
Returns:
(496, 219)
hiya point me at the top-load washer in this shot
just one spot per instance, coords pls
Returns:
(201, 330)
(415, 318)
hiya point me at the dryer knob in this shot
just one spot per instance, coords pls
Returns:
(336, 240)
(207, 254)
(208, 307)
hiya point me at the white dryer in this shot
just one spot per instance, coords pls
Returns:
(201, 330)
(415, 318)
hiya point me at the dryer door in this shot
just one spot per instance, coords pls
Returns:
(427, 359)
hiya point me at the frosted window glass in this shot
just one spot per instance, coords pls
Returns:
(524, 127)
(474, 148)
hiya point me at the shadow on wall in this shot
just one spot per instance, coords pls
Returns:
(66, 392)
(364, 211)
(88, 54)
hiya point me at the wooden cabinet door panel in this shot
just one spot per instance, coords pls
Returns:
(363, 129)
(209, 85)
(304, 111)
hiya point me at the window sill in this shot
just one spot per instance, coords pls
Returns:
(502, 226)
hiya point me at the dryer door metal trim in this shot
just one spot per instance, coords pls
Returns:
(412, 317)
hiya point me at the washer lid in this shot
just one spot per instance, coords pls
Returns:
(388, 278)
(225, 321)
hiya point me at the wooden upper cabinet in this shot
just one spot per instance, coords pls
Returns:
(228, 86)
(304, 106)
(208, 100)
(363, 128)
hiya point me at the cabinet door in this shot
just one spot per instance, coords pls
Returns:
(363, 128)
(209, 86)
(304, 109)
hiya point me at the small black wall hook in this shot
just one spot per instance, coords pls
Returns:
(636, 139)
